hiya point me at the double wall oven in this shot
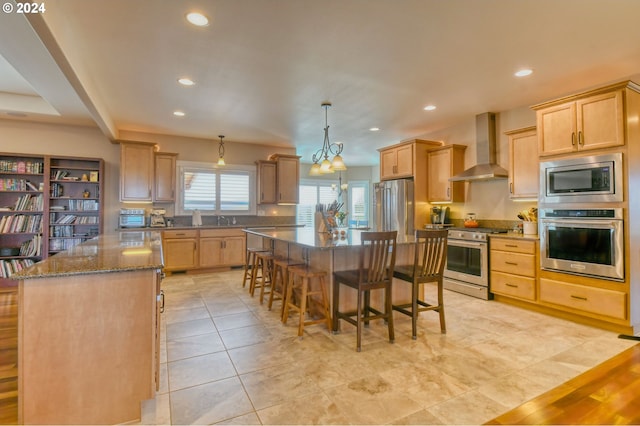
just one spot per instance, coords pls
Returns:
(581, 218)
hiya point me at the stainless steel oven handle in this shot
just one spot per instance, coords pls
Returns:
(583, 222)
(462, 243)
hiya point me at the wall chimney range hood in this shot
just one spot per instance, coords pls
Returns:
(486, 167)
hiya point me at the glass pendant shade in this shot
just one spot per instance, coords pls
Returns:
(338, 163)
(315, 170)
(221, 161)
(325, 166)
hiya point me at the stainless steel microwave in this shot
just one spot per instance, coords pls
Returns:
(585, 179)
(132, 218)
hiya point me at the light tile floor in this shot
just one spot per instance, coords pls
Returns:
(227, 359)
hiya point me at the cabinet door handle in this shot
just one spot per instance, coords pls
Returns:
(512, 263)
(580, 138)
(448, 192)
(573, 138)
(511, 285)
(161, 301)
(510, 187)
(573, 296)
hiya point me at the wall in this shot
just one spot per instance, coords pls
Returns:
(489, 200)
(49, 139)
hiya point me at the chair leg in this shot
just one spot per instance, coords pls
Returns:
(359, 321)
(443, 325)
(414, 310)
(303, 305)
(389, 312)
(285, 312)
(367, 305)
(336, 298)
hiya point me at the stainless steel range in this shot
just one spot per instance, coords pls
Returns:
(467, 268)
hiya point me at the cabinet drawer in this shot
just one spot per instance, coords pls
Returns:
(513, 285)
(513, 263)
(226, 232)
(513, 245)
(599, 301)
(185, 233)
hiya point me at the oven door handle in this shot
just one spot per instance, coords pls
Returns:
(583, 222)
(462, 243)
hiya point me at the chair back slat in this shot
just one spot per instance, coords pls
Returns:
(377, 256)
(430, 253)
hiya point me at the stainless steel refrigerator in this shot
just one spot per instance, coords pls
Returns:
(394, 206)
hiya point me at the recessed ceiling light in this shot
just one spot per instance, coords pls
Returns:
(197, 19)
(523, 72)
(186, 81)
(429, 107)
(374, 129)
(179, 113)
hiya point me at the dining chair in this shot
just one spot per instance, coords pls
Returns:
(430, 258)
(376, 260)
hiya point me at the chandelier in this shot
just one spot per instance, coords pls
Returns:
(221, 151)
(321, 164)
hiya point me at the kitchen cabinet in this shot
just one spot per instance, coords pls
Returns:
(221, 247)
(524, 169)
(180, 249)
(267, 175)
(597, 302)
(584, 122)
(164, 182)
(287, 178)
(443, 163)
(193, 249)
(406, 159)
(514, 263)
(136, 171)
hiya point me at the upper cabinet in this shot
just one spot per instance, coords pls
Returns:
(406, 159)
(267, 191)
(136, 171)
(588, 121)
(443, 163)
(165, 177)
(284, 188)
(523, 164)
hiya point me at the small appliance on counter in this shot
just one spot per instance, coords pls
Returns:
(157, 218)
(132, 218)
(439, 215)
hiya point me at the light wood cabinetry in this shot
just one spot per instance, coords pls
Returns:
(164, 177)
(590, 300)
(406, 159)
(593, 120)
(514, 264)
(443, 163)
(180, 249)
(136, 171)
(221, 247)
(267, 175)
(524, 169)
(279, 179)
(194, 249)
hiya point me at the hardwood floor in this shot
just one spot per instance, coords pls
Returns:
(607, 394)
(8, 355)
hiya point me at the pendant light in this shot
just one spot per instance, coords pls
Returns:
(221, 151)
(321, 164)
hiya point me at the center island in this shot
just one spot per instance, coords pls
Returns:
(330, 252)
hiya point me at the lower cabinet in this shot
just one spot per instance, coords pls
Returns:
(221, 247)
(513, 267)
(204, 248)
(590, 300)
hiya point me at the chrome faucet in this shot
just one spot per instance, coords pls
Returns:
(224, 218)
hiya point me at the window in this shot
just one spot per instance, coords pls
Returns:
(312, 193)
(359, 203)
(214, 190)
(324, 192)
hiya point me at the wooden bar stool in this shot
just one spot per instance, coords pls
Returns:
(305, 276)
(262, 277)
(280, 279)
(249, 264)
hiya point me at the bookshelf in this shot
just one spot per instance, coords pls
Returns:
(47, 204)
(22, 181)
(75, 201)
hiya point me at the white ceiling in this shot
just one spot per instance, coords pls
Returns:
(263, 67)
